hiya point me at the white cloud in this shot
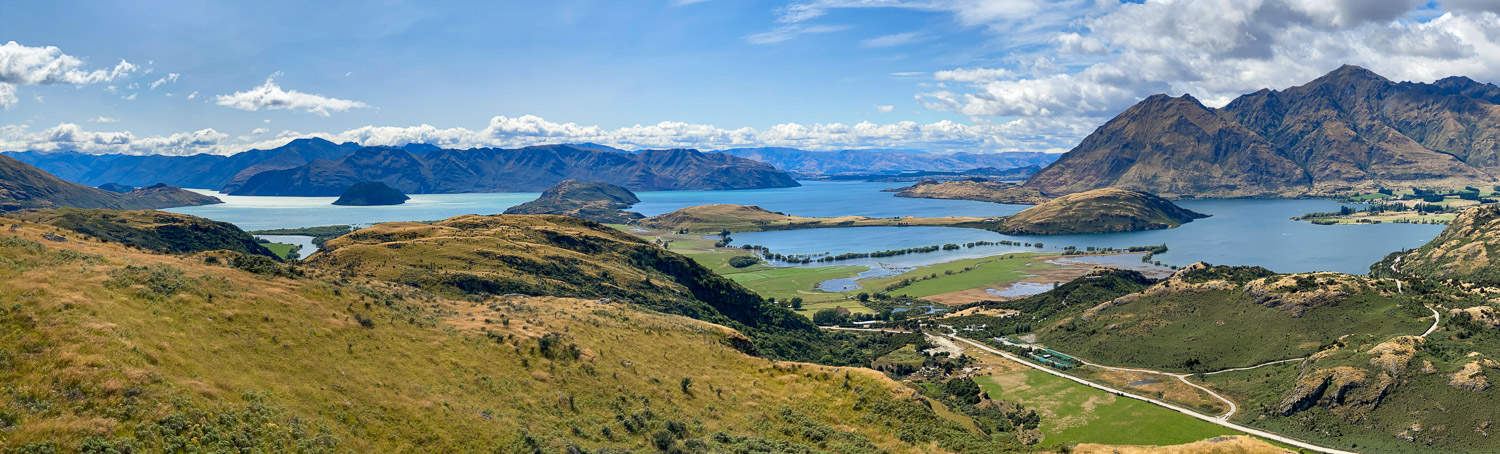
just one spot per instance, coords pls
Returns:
(893, 40)
(1106, 55)
(787, 32)
(104, 120)
(973, 74)
(193, 95)
(25, 65)
(885, 108)
(688, 2)
(129, 97)
(7, 95)
(171, 77)
(525, 130)
(271, 97)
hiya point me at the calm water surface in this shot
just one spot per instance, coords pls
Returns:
(1239, 232)
(1249, 232)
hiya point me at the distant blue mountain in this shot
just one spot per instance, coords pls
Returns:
(203, 171)
(317, 167)
(829, 163)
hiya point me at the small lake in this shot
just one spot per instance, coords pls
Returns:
(1248, 232)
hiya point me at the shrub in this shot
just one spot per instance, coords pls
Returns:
(159, 281)
(828, 317)
(741, 261)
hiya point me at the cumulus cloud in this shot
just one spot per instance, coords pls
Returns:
(104, 120)
(1112, 54)
(26, 65)
(193, 95)
(270, 96)
(885, 108)
(1086, 60)
(525, 130)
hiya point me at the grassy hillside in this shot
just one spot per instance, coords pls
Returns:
(1369, 382)
(105, 348)
(1468, 250)
(1098, 211)
(1205, 319)
(152, 230)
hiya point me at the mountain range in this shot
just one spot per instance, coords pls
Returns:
(827, 163)
(25, 187)
(317, 167)
(1350, 130)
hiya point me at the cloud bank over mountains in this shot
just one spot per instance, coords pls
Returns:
(1031, 75)
(504, 131)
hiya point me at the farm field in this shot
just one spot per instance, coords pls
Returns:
(1073, 413)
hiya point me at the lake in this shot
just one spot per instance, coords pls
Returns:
(1240, 232)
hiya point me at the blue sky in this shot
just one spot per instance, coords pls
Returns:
(940, 75)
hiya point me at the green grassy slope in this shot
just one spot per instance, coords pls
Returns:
(153, 230)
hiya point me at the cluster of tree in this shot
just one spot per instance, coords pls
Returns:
(998, 419)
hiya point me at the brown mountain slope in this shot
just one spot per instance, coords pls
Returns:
(1350, 130)
(23, 187)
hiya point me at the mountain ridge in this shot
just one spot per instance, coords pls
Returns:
(1349, 131)
(23, 186)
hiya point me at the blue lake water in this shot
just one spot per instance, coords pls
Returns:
(1239, 232)
(1244, 232)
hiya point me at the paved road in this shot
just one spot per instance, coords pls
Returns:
(1211, 419)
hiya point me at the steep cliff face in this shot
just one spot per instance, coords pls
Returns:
(1350, 130)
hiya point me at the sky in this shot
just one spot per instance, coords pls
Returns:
(934, 75)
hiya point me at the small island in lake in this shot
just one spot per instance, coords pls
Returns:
(371, 193)
(595, 201)
(974, 189)
(1098, 211)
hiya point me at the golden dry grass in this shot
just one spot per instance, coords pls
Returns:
(102, 341)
